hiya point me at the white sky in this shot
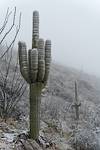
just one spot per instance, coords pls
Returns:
(72, 25)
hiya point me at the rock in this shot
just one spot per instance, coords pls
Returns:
(6, 146)
(27, 145)
(63, 146)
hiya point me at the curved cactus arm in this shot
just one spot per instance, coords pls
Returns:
(47, 59)
(35, 34)
(23, 62)
(33, 64)
(41, 61)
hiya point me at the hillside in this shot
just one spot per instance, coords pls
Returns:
(57, 113)
(58, 99)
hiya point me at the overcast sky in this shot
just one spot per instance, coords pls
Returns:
(72, 25)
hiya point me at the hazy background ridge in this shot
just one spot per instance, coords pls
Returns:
(73, 26)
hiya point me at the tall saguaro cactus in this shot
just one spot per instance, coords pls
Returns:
(35, 67)
(77, 104)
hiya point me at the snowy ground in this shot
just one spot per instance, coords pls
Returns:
(10, 130)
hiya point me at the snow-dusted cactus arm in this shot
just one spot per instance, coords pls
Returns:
(33, 65)
(35, 33)
(23, 61)
(47, 59)
(41, 61)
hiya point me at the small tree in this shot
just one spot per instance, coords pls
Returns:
(12, 87)
(6, 32)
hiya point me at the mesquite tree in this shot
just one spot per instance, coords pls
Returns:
(7, 32)
(35, 68)
(12, 87)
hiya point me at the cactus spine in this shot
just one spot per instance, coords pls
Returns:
(34, 68)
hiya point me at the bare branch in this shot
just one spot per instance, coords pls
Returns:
(5, 21)
(17, 31)
(11, 88)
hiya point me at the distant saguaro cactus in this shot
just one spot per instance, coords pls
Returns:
(35, 67)
(77, 104)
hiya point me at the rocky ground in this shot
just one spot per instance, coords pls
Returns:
(14, 134)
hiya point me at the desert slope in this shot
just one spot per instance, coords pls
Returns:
(57, 113)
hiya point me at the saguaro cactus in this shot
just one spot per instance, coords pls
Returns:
(35, 67)
(77, 104)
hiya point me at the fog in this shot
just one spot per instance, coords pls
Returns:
(72, 25)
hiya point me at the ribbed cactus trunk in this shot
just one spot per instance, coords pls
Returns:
(77, 104)
(35, 100)
(35, 67)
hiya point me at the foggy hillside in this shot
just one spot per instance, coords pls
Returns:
(60, 92)
(57, 104)
(61, 85)
(57, 111)
(63, 78)
(59, 98)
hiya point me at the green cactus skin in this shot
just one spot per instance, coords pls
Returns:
(35, 34)
(35, 100)
(35, 67)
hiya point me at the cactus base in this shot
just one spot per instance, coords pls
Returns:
(35, 100)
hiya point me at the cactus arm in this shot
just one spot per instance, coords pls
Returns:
(35, 34)
(41, 61)
(33, 64)
(47, 59)
(23, 60)
(35, 100)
